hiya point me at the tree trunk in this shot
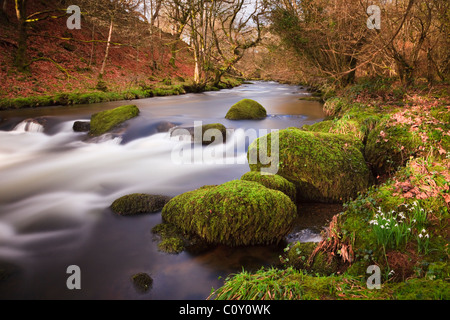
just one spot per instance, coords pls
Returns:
(93, 45)
(3, 15)
(21, 60)
(108, 44)
(196, 69)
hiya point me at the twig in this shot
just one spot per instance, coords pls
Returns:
(60, 68)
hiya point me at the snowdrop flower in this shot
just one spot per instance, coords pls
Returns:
(420, 235)
(427, 235)
(382, 227)
(423, 230)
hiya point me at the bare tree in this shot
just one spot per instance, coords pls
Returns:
(218, 33)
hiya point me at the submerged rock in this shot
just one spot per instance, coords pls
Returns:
(246, 109)
(235, 213)
(81, 126)
(31, 125)
(324, 167)
(105, 121)
(213, 131)
(142, 281)
(139, 203)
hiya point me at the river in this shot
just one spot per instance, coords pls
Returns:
(56, 187)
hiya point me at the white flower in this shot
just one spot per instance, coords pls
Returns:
(424, 231)
(382, 227)
(420, 235)
(396, 225)
(427, 235)
(409, 229)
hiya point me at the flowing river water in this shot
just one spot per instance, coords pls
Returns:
(56, 187)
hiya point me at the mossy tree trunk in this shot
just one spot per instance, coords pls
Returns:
(21, 60)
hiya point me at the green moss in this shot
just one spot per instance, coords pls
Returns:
(441, 113)
(322, 126)
(142, 281)
(246, 109)
(172, 240)
(275, 182)
(138, 203)
(334, 106)
(297, 256)
(423, 289)
(105, 121)
(292, 284)
(234, 213)
(324, 167)
(214, 126)
(171, 245)
(311, 98)
(274, 284)
(355, 123)
(389, 147)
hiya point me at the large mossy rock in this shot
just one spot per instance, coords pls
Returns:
(246, 109)
(325, 167)
(272, 181)
(235, 213)
(359, 124)
(389, 147)
(105, 121)
(212, 130)
(137, 203)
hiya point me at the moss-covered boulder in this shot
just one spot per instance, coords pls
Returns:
(389, 147)
(105, 121)
(325, 167)
(272, 181)
(359, 124)
(212, 130)
(235, 213)
(139, 203)
(246, 109)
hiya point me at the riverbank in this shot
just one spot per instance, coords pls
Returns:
(166, 87)
(398, 227)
